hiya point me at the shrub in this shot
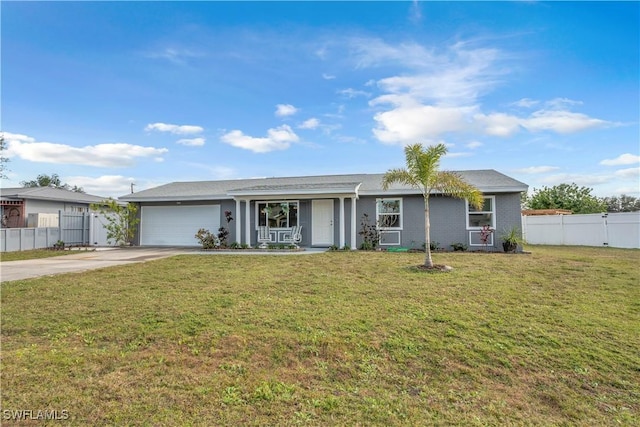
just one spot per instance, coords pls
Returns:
(207, 240)
(223, 232)
(370, 234)
(122, 221)
(459, 247)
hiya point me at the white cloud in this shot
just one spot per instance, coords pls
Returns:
(311, 123)
(284, 110)
(498, 124)
(456, 75)
(350, 139)
(629, 191)
(588, 180)
(404, 125)
(216, 171)
(413, 120)
(525, 103)
(474, 144)
(561, 121)
(623, 159)
(415, 11)
(537, 169)
(447, 85)
(194, 142)
(561, 103)
(459, 154)
(106, 185)
(352, 93)
(175, 55)
(629, 173)
(174, 129)
(328, 76)
(279, 138)
(322, 52)
(100, 155)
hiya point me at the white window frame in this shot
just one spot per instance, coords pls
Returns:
(489, 242)
(400, 213)
(492, 212)
(267, 202)
(386, 238)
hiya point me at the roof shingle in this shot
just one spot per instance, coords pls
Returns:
(488, 181)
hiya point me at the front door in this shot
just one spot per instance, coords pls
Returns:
(322, 222)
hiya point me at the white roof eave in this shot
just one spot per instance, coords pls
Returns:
(175, 198)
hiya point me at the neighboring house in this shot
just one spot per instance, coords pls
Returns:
(330, 209)
(17, 203)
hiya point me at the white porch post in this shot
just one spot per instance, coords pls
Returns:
(342, 222)
(353, 223)
(238, 224)
(247, 222)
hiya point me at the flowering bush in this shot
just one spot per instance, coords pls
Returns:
(207, 240)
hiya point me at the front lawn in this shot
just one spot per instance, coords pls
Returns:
(35, 254)
(549, 338)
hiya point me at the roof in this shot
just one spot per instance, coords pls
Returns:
(533, 212)
(48, 193)
(488, 181)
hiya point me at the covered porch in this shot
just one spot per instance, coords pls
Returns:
(326, 213)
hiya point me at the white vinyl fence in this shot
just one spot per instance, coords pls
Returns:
(618, 230)
(77, 229)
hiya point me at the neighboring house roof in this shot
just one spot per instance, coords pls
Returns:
(533, 212)
(49, 194)
(488, 181)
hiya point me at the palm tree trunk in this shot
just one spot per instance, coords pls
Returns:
(428, 261)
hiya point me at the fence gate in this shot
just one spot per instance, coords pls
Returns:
(74, 228)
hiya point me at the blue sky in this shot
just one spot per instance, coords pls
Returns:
(106, 94)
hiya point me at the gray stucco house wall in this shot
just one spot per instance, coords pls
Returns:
(330, 209)
(18, 203)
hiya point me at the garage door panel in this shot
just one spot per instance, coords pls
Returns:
(176, 225)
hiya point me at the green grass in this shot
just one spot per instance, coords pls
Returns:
(549, 338)
(33, 254)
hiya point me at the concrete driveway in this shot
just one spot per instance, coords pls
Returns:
(82, 261)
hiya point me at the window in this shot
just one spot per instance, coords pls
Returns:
(277, 214)
(76, 208)
(478, 218)
(389, 213)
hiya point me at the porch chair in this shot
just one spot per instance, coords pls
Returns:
(296, 235)
(264, 237)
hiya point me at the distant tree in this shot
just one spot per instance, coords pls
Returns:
(3, 160)
(122, 221)
(53, 180)
(423, 172)
(622, 203)
(578, 200)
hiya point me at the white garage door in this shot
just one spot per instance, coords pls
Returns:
(177, 225)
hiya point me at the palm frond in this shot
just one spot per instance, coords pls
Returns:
(454, 185)
(400, 176)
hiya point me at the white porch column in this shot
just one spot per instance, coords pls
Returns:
(342, 222)
(247, 222)
(238, 224)
(353, 223)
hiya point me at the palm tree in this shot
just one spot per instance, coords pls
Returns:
(422, 172)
